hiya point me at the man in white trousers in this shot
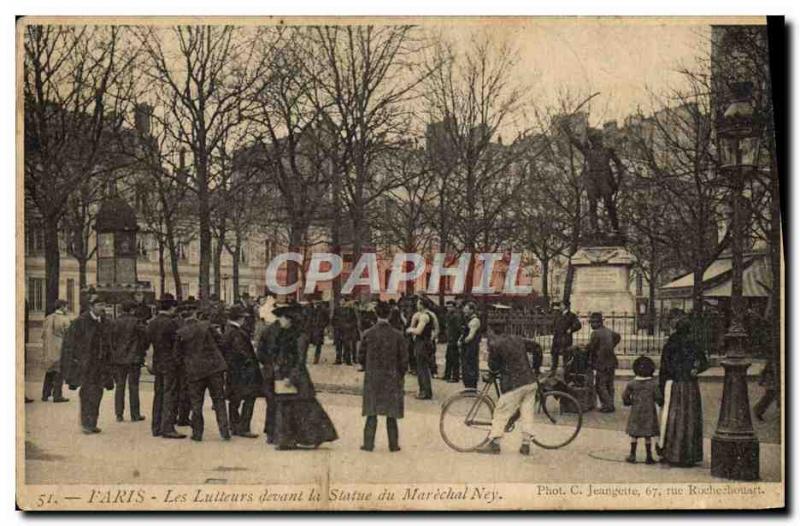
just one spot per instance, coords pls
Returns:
(508, 359)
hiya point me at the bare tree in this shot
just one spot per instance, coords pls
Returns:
(203, 79)
(401, 218)
(76, 84)
(471, 97)
(367, 79)
(540, 223)
(291, 135)
(677, 152)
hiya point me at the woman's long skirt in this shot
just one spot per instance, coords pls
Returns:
(302, 422)
(683, 443)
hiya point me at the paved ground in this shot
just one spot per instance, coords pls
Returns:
(57, 452)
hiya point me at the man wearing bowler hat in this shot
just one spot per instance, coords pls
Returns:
(86, 361)
(204, 367)
(603, 360)
(161, 331)
(129, 344)
(244, 377)
(384, 355)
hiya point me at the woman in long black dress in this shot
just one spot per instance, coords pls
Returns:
(300, 420)
(681, 361)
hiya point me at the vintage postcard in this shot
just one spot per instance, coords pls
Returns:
(399, 264)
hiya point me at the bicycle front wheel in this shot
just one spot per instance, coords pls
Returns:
(466, 421)
(557, 420)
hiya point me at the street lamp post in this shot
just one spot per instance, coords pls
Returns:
(734, 446)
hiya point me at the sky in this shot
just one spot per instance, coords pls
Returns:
(624, 60)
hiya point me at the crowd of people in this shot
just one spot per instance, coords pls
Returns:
(238, 353)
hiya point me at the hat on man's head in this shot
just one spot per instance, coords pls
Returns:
(60, 304)
(236, 312)
(596, 316)
(167, 301)
(287, 309)
(383, 309)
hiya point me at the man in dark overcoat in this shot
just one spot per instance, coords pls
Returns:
(345, 327)
(385, 357)
(452, 364)
(244, 377)
(603, 360)
(565, 324)
(86, 361)
(129, 344)
(320, 322)
(167, 369)
(205, 368)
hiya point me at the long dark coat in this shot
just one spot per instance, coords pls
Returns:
(345, 323)
(565, 324)
(318, 324)
(244, 375)
(199, 351)
(128, 340)
(384, 353)
(642, 395)
(86, 352)
(161, 332)
(287, 362)
(601, 349)
(683, 442)
(299, 418)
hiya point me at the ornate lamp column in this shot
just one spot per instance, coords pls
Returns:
(734, 446)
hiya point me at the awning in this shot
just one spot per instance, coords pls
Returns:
(714, 270)
(756, 280)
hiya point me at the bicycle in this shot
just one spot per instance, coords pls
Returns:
(466, 418)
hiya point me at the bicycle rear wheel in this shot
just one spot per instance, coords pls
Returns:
(557, 421)
(466, 421)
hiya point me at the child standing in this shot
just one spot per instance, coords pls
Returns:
(642, 394)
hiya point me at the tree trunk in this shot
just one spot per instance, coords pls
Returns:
(296, 233)
(697, 290)
(217, 260)
(204, 216)
(237, 249)
(651, 304)
(174, 264)
(162, 273)
(545, 279)
(82, 263)
(52, 263)
(336, 240)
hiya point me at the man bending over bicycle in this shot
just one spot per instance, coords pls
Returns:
(508, 359)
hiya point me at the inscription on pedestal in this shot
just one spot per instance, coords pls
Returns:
(601, 278)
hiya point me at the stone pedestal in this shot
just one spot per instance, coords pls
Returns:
(602, 280)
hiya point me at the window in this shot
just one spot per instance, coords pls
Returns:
(639, 285)
(36, 294)
(71, 295)
(34, 240)
(181, 249)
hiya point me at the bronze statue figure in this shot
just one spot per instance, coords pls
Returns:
(599, 180)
